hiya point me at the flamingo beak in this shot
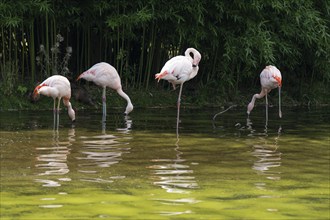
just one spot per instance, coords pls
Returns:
(36, 91)
(279, 80)
(35, 94)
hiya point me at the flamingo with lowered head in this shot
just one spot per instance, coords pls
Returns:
(105, 75)
(57, 87)
(180, 69)
(270, 78)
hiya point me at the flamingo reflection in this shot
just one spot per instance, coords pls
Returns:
(52, 160)
(268, 157)
(176, 177)
(100, 152)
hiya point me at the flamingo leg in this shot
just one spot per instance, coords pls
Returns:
(104, 104)
(279, 102)
(54, 112)
(178, 114)
(174, 87)
(266, 108)
(58, 112)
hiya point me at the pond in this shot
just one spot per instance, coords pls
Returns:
(135, 167)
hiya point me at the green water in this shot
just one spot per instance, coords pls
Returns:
(135, 168)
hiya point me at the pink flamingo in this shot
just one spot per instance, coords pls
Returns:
(180, 69)
(105, 75)
(270, 78)
(57, 87)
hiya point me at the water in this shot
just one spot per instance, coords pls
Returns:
(135, 168)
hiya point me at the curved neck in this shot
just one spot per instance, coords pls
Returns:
(255, 96)
(129, 106)
(124, 95)
(196, 56)
(71, 112)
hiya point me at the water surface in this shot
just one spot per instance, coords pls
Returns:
(134, 167)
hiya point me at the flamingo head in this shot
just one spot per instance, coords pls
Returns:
(249, 108)
(195, 55)
(36, 91)
(197, 58)
(72, 115)
(129, 108)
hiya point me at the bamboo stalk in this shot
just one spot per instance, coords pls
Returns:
(78, 51)
(3, 48)
(151, 54)
(47, 41)
(22, 51)
(88, 57)
(32, 51)
(9, 48)
(141, 58)
(83, 50)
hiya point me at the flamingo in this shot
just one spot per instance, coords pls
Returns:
(105, 75)
(57, 87)
(270, 78)
(180, 69)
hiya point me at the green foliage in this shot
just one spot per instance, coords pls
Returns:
(8, 71)
(21, 90)
(237, 39)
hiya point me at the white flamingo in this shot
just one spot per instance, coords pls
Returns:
(180, 69)
(57, 87)
(270, 78)
(105, 75)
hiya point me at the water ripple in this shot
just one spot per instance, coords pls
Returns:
(52, 159)
(101, 151)
(172, 174)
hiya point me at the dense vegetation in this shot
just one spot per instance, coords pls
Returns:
(237, 39)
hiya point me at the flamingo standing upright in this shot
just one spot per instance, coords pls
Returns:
(180, 69)
(270, 78)
(105, 75)
(57, 87)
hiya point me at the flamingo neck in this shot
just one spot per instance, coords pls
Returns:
(129, 106)
(195, 57)
(71, 112)
(251, 104)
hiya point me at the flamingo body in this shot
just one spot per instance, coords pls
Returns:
(105, 75)
(270, 78)
(57, 87)
(180, 69)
